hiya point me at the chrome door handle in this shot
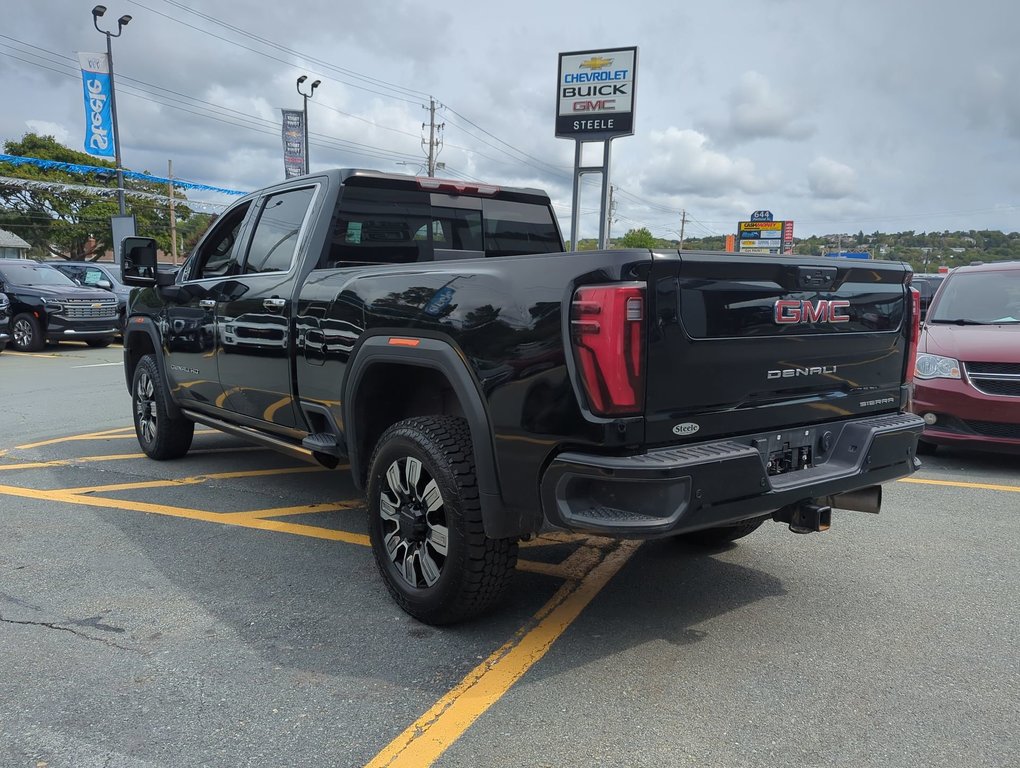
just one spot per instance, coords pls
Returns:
(272, 304)
(207, 303)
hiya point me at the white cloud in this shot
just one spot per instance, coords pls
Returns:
(829, 179)
(682, 162)
(760, 111)
(46, 128)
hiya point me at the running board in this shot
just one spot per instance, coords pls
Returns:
(245, 433)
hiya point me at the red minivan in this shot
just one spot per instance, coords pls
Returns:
(967, 380)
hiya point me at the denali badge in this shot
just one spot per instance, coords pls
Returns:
(687, 428)
(787, 311)
(789, 373)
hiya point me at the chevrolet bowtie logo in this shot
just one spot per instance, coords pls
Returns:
(596, 62)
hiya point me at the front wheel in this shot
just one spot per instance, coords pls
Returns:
(26, 334)
(723, 534)
(425, 523)
(160, 435)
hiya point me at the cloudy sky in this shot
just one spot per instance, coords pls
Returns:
(868, 115)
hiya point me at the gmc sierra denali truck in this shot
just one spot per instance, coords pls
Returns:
(483, 385)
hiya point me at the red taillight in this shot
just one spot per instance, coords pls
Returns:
(915, 331)
(607, 325)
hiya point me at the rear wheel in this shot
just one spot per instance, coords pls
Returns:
(425, 523)
(160, 435)
(26, 334)
(103, 342)
(713, 537)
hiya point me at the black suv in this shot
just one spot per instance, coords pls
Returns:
(48, 306)
(94, 275)
(927, 286)
(5, 321)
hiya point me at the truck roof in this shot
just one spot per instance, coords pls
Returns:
(431, 184)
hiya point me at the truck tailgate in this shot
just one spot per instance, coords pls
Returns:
(746, 344)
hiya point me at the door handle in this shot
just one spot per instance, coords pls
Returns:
(207, 303)
(274, 304)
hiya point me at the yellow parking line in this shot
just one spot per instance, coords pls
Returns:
(36, 354)
(87, 436)
(190, 514)
(432, 734)
(68, 462)
(961, 484)
(194, 480)
(305, 509)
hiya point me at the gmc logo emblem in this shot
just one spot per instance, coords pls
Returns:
(786, 311)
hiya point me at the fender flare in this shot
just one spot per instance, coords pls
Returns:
(443, 357)
(137, 326)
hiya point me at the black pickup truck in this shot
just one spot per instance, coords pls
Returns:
(482, 385)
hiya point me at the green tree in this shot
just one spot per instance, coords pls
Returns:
(637, 238)
(57, 212)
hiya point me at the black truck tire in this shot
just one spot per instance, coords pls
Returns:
(105, 341)
(27, 334)
(714, 537)
(425, 523)
(160, 435)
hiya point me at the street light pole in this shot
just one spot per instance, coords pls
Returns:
(122, 22)
(306, 96)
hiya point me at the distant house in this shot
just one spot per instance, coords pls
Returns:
(12, 246)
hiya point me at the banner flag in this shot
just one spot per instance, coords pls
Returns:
(95, 77)
(293, 143)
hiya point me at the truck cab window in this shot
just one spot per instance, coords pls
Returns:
(217, 255)
(275, 239)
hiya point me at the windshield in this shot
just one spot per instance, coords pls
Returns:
(31, 273)
(979, 298)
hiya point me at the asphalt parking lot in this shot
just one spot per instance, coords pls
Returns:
(224, 609)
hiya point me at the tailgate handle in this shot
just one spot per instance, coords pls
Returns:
(818, 278)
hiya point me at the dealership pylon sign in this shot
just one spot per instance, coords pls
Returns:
(95, 78)
(596, 94)
(595, 103)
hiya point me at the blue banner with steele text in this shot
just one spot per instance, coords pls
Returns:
(95, 78)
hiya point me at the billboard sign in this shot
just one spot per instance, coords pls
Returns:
(595, 94)
(293, 143)
(762, 234)
(95, 78)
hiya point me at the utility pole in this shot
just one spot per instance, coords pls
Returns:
(173, 216)
(609, 222)
(435, 142)
(683, 225)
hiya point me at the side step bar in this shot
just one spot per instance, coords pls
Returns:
(254, 436)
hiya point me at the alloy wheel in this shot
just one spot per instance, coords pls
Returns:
(145, 407)
(415, 531)
(22, 333)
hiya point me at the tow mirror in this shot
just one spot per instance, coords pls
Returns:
(138, 261)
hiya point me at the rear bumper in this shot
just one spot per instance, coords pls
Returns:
(675, 490)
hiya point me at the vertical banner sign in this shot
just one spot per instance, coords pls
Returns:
(595, 94)
(788, 237)
(95, 77)
(293, 142)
